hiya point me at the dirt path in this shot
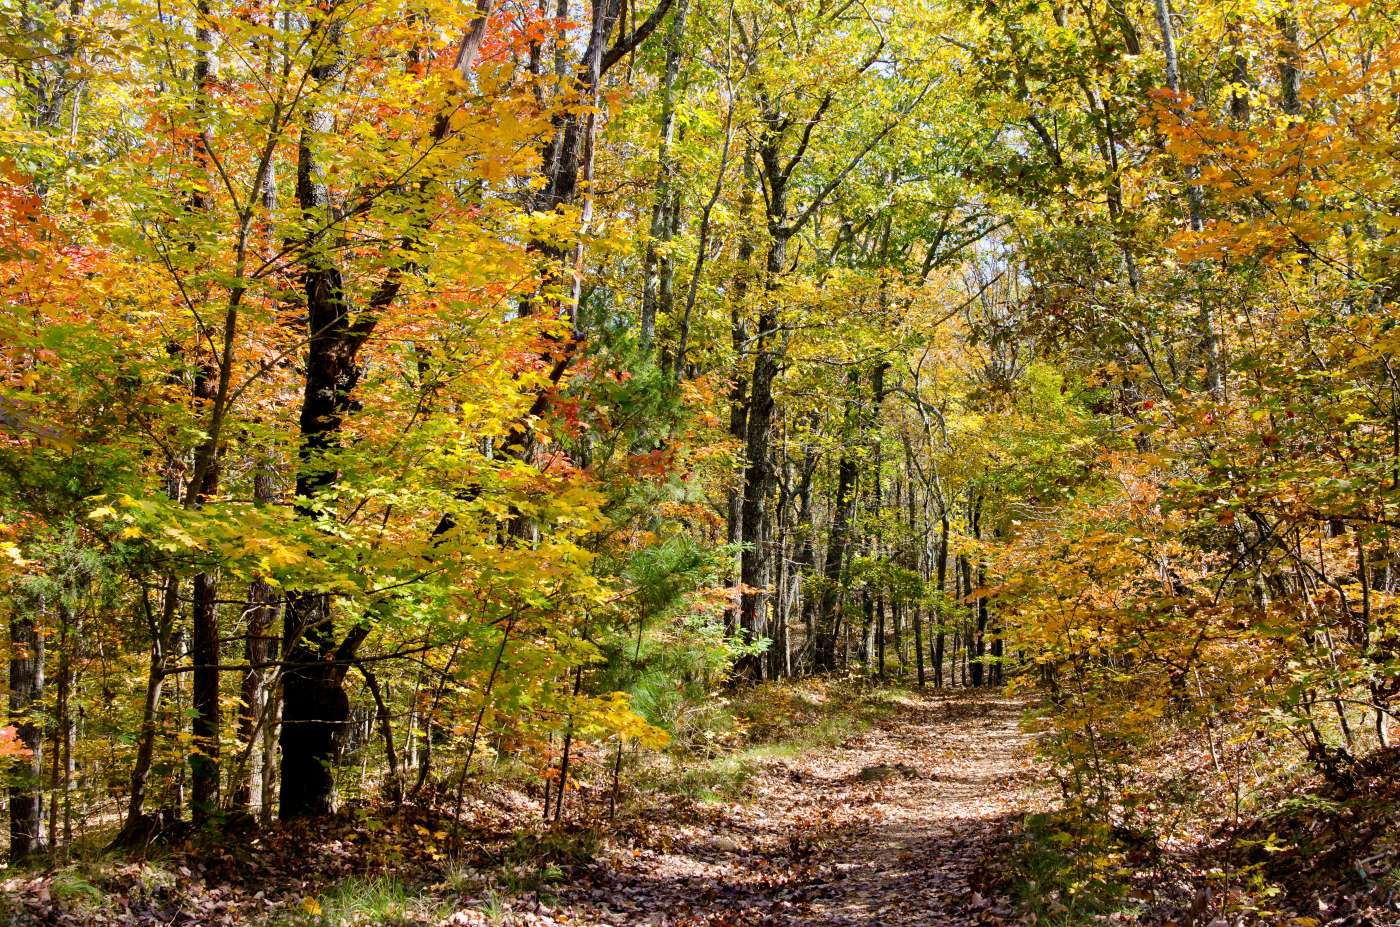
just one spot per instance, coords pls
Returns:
(892, 827)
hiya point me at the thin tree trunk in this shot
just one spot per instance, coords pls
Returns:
(393, 786)
(658, 265)
(940, 635)
(739, 388)
(1205, 315)
(258, 648)
(138, 828)
(565, 758)
(61, 739)
(26, 696)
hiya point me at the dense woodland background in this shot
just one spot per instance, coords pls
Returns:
(396, 392)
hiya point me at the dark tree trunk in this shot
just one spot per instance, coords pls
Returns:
(739, 388)
(393, 784)
(1290, 63)
(209, 392)
(62, 731)
(204, 695)
(867, 631)
(778, 657)
(755, 564)
(919, 565)
(806, 558)
(314, 705)
(26, 695)
(982, 676)
(738, 425)
(997, 653)
(976, 582)
(877, 382)
(833, 567)
(940, 633)
(842, 516)
(972, 638)
(138, 827)
(880, 633)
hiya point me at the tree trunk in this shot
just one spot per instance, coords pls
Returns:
(314, 707)
(982, 618)
(841, 518)
(138, 828)
(61, 741)
(755, 564)
(880, 632)
(393, 784)
(997, 653)
(805, 561)
(1205, 314)
(919, 566)
(26, 696)
(940, 635)
(778, 657)
(1290, 63)
(658, 266)
(259, 648)
(204, 648)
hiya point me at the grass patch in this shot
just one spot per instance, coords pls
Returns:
(368, 902)
(722, 778)
(1068, 871)
(534, 862)
(780, 721)
(75, 890)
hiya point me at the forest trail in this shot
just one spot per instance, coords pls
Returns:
(892, 827)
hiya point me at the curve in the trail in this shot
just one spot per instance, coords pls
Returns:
(894, 827)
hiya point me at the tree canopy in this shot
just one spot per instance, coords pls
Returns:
(393, 384)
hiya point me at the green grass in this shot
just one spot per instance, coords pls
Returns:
(367, 902)
(536, 861)
(73, 889)
(781, 721)
(1067, 871)
(83, 886)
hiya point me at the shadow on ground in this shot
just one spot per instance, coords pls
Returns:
(815, 845)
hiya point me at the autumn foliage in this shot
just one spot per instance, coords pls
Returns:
(396, 393)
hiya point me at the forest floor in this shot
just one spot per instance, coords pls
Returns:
(901, 813)
(895, 825)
